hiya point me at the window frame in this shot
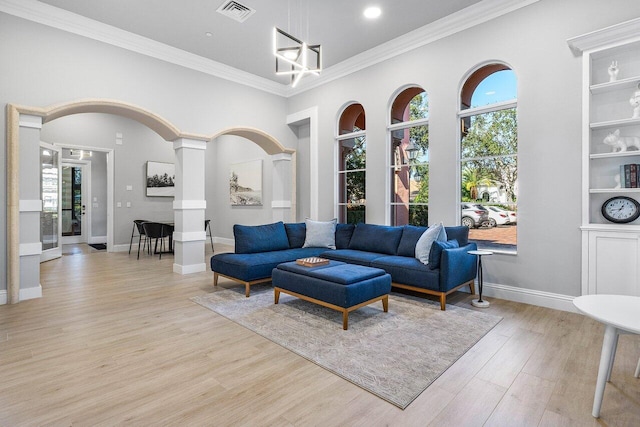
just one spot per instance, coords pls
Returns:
(339, 205)
(475, 111)
(392, 127)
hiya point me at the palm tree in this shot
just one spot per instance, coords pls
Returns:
(471, 180)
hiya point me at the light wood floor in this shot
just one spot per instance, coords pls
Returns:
(116, 341)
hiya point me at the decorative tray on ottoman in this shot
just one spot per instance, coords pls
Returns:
(312, 261)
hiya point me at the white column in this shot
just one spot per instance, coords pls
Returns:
(30, 207)
(189, 206)
(282, 185)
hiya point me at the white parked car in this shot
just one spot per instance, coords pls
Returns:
(499, 216)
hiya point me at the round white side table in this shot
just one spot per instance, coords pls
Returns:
(620, 314)
(480, 302)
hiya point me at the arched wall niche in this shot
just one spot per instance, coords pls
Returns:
(182, 141)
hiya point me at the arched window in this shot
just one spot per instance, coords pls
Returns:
(489, 157)
(409, 145)
(352, 157)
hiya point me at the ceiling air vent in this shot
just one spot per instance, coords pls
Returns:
(235, 11)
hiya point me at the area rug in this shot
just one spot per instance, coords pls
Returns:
(394, 355)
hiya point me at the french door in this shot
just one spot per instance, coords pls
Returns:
(50, 216)
(74, 197)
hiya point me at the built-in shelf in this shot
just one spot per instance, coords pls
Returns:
(614, 123)
(610, 251)
(613, 190)
(628, 83)
(631, 153)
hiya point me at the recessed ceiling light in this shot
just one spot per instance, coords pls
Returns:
(372, 12)
(208, 34)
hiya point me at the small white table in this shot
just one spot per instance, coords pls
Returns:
(619, 314)
(479, 302)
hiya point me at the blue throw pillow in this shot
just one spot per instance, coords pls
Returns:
(343, 235)
(382, 239)
(410, 236)
(436, 252)
(252, 239)
(320, 234)
(423, 247)
(296, 233)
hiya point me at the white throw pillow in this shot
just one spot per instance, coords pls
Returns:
(423, 247)
(321, 234)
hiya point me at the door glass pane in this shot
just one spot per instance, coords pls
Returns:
(71, 201)
(49, 214)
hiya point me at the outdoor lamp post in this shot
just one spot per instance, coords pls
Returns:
(412, 151)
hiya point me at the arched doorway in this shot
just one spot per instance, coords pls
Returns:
(23, 133)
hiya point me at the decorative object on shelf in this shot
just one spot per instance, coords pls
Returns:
(635, 103)
(613, 71)
(629, 176)
(621, 209)
(622, 143)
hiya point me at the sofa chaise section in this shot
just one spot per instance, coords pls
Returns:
(250, 269)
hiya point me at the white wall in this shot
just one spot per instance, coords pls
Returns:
(222, 152)
(533, 41)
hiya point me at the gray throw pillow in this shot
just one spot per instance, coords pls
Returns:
(423, 247)
(320, 234)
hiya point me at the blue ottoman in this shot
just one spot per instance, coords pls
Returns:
(337, 285)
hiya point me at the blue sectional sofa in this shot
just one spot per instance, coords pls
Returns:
(259, 249)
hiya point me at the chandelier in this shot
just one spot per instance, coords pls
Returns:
(295, 57)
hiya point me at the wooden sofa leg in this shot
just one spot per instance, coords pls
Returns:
(246, 289)
(443, 301)
(472, 288)
(215, 279)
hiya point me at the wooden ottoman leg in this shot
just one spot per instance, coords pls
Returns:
(385, 303)
(345, 319)
(215, 279)
(276, 295)
(247, 286)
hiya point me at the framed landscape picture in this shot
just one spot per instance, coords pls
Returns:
(161, 179)
(245, 183)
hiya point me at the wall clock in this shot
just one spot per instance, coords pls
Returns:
(621, 209)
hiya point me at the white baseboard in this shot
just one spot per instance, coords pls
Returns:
(529, 296)
(31, 293)
(189, 269)
(124, 248)
(224, 241)
(25, 294)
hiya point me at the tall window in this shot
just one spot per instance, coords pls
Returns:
(352, 156)
(489, 157)
(409, 129)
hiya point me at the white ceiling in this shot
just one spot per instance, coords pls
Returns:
(338, 25)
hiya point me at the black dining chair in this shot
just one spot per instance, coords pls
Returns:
(137, 226)
(207, 229)
(158, 231)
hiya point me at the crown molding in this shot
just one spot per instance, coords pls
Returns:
(471, 16)
(61, 19)
(464, 19)
(605, 36)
